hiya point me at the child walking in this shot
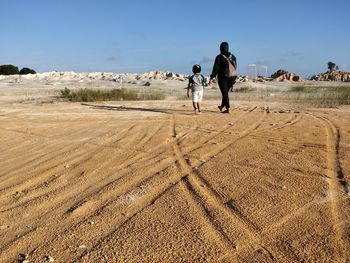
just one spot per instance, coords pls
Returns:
(196, 83)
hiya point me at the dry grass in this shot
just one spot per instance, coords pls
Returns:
(89, 95)
(320, 96)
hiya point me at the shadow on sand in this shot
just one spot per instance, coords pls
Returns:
(128, 108)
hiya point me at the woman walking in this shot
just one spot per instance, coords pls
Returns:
(224, 68)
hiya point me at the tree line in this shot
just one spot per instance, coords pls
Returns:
(13, 70)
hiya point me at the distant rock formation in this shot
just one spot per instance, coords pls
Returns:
(97, 76)
(336, 75)
(288, 76)
(285, 76)
(159, 75)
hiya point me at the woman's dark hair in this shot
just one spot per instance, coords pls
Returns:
(196, 69)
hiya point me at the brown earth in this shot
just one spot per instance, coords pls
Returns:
(152, 182)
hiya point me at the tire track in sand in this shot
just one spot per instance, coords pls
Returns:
(60, 189)
(149, 198)
(77, 154)
(55, 207)
(158, 190)
(210, 202)
(338, 187)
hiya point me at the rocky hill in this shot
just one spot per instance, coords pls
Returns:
(336, 75)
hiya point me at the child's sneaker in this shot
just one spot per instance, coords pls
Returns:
(199, 112)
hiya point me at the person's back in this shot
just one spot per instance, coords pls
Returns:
(221, 61)
(220, 70)
(196, 83)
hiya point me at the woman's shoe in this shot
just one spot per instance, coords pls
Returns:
(220, 108)
(226, 111)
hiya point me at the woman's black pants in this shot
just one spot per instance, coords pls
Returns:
(224, 85)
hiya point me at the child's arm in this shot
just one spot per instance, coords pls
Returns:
(204, 82)
(189, 86)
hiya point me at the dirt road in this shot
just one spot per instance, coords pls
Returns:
(152, 182)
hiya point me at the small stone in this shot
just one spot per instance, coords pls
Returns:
(49, 259)
(66, 166)
(231, 123)
(284, 187)
(82, 246)
(203, 161)
(92, 222)
(23, 256)
(3, 227)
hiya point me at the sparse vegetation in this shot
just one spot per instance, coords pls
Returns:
(244, 89)
(310, 95)
(89, 95)
(324, 96)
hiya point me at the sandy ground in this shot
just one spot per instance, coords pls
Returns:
(152, 182)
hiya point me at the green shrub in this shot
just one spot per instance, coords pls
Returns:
(65, 93)
(8, 70)
(25, 71)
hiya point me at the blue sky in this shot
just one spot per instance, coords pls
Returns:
(138, 36)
